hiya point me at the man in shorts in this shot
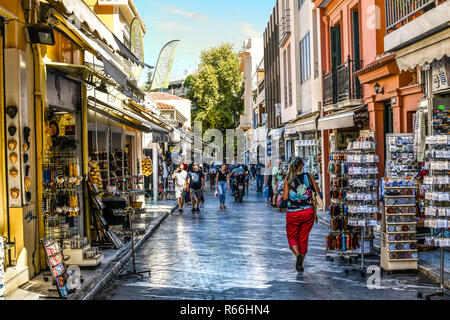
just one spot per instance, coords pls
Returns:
(194, 185)
(179, 177)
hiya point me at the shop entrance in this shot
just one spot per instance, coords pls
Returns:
(62, 199)
(388, 121)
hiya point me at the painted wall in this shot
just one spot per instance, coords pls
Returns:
(289, 66)
(184, 106)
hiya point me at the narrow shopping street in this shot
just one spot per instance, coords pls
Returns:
(242, 253)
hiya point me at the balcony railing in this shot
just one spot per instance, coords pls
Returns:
(340, 85)
(400, 12)
(284, 28)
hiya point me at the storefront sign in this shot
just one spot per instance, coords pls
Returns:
(307, 143)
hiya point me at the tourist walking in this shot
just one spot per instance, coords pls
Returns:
(259, 177)
(222, 182)
(301, 214)
(194, 185)
(276, 178)
(212, 176)
(179, 177)
(268, 182)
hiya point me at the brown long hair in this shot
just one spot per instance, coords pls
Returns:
(293, 169)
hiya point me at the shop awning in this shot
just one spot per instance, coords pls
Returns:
(432, 48)
(310, 125)
(337, 121)
(122, 116)
(124, 51)
(276, 132)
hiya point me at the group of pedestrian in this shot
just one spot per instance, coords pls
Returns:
(189, 185)
(292, 189)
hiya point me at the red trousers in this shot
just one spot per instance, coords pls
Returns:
(298, 226)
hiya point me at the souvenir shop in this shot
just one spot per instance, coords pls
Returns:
(413, 194)
(116, 170)
(63, 202)
(352, 170)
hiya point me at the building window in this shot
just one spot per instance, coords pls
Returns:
(300, 3)
(305, 59)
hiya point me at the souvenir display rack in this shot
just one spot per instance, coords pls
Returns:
(61, 194)
(342, 239)
(57, 266)
(105, 236)
(399, 228)
(2, 268)
(437, 196)
(398, 243)
(361, 196)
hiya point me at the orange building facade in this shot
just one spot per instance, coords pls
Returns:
(363, 88)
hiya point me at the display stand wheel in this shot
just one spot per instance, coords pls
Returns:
(46, 279)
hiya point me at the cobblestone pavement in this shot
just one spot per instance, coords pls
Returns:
(242, 253)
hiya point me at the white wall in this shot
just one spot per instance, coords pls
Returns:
(289, 110)
(183, 106)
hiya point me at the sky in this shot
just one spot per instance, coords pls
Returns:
(200, 25)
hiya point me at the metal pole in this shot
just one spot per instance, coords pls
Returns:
(155, 175)
(133, 253)
(442, 268)
(363, 234)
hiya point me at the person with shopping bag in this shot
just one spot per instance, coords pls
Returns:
(303, 197)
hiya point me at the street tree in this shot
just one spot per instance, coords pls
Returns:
(216, 89)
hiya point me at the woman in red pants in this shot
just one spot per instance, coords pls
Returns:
(300, 215)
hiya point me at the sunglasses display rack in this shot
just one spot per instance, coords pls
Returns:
(400, 156)
(398, 244)
(436, 187)
(57, 266)
(2, 268)
(361, 196)
(341, 240)
(399, 224)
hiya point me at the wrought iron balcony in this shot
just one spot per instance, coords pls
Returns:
(340, 85)
(284, 28)
(400, 12)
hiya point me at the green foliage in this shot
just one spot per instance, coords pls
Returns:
(148, 84)
(216, 89)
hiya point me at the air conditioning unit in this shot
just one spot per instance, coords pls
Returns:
(441, 74)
